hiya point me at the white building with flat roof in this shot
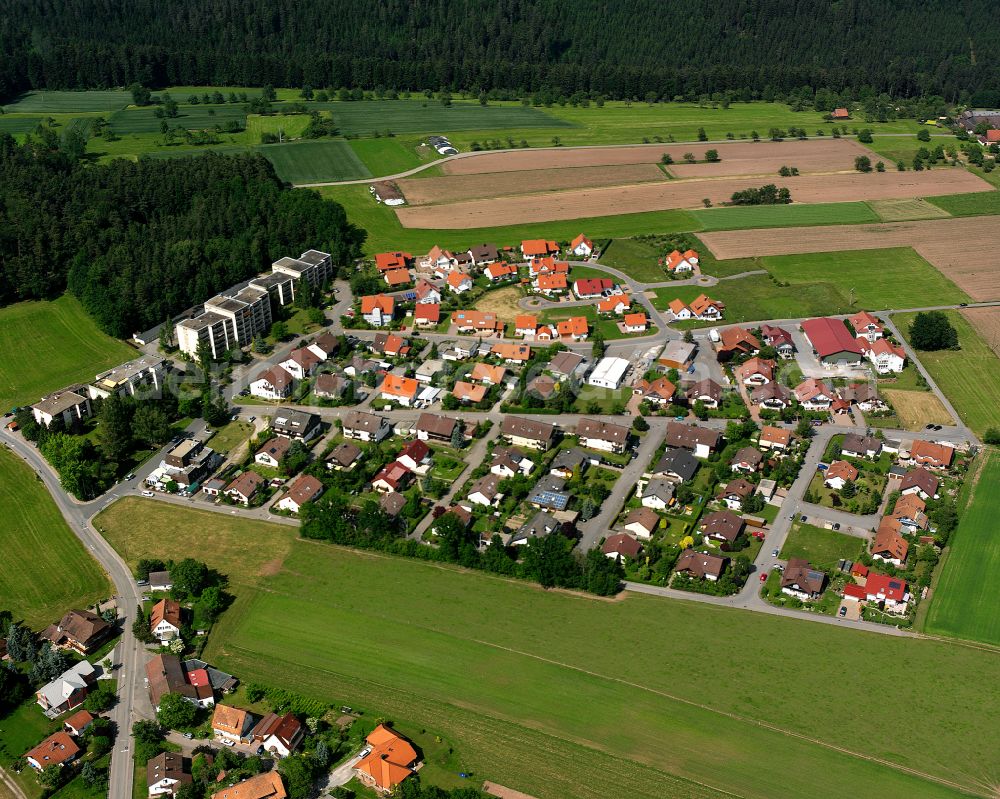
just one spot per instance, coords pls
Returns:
(141, 375)
(609, 373)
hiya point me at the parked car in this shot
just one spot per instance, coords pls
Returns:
(774, 554)
(147, 493)
(843, 611)
(130, 476)
(188, 735)
(836, 525)
(229, 743)
(803, 518)
(763, 577)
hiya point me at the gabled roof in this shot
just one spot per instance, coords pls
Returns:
(165, 610)
(646, 518)
(246, 483)
(397, 277)
(581, 239)
(525, 322)
(811, 388)
(551, 282)
(722, 523)
(458, 279)
(829, 337)
(435, 424)
(689, 436)
(621, 544)
(512, 352)
(888, 541)
(390, 759)
(484, 372)
(306, 488)
(592, 285)
(775, 435)
(602, 431)
(700, 564)
(883, 585)
(80, 626)
(170, 766)
(635, 319)
(539, 247)
(276, 376)
(705, 388)
(385, 261)
(424, 288)
(702, 303)
(54, 750)
(527, 428)
(934, 454)
(229, 719)
(574, 326)
(920, 478)
(843, 470)
(468, 391)
(609, 304)
(267, 785)
(799, 574)
(427, 312)
(383, 302)
(500, 270)
(755, 366)
(863, 321)
(399, 386)
(738, 338)
(677, 461)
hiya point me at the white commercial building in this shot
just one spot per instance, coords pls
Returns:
(609, 373)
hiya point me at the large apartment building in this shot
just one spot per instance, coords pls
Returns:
(236, 316)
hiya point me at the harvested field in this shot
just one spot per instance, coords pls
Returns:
(610, 201)
(986, 322)
(744, 156)
(963, 249)
(766, 158)
(422, 191)
(916, 409)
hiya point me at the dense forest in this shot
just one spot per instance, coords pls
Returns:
(139, 242)
(617, 48)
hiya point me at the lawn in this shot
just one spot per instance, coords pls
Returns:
(765, 216)
(964, 600)
(969, 377)
(68, 102)
(625, 716)
(904, 148)
(874, 279)
(14, 125)
(20, 730)
(45, 570)
(289, 126)
(980, 203)
(384, 156)
(191, 117)
(821, 547)
(48, 345)
(637, 258)
(230, 436)
(314, 161)
(386, 233)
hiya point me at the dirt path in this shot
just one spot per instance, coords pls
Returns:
(8, 788)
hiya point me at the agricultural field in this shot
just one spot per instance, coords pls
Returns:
(312, 161)
(645, 731)
(960, 248)
(916, 409)
(386, 233)
(192, 117)
(980, 203)
(58, 334)
(764, 159)
(757, 297)
(16, 125)
(45, 569)
(502, 302)
(767, 216)
(906, 210)
(68, 102)
(821, 547)
(452, 188)
(691, 193)
(637, 258)
(969, 377)
(963, 604)
(384, 156)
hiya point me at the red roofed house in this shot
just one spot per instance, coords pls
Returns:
(400, 389)
(736, 341)
(934, 456)
(279, 735)
(549, 284)
(615, 304)
(582, 246)
(588, 288)
(621, 545)
(840, 472)
(396, 277)
(392, 477)
(245, 487)
(56, 750)
(427, 293)
(890, 590)
(378, 309)
(438, 260)
(415, 456)
(427, 315)
(548, 266)
(635, 322)
(780, 339)
(889, 545)
(387, 261)
(306, 488)
(866, 326)
(815, 395)
(390, 761)
(831, 342)
(487, 375)
(498, 272)
(755, 372)
(78, 722)
(705, 308)
(525, 325)
(273, 384)
(840, 113)
(538, 248)
(165, 620)
(575, 327)
(678, 262)
(480, 322)
(458, 282)
(885, 356)
(660, 391)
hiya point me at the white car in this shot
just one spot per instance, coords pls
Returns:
(148, 493)
(228, 743)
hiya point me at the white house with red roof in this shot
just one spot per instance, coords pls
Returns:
(459, 282)
(678, 262)
(588, 288)
(273, 384)
(427, 315)
(866, 326)
(427, 293)
(582, 246)
(500, 271)
(538, 248)
(885, 356)
(889, 590)
(814, 395)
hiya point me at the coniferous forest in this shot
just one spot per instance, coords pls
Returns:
(139, 242)
(616, 48)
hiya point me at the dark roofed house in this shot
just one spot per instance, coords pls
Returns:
(565, 363)
(747, 459)
(722, 525)
(857, 446)
(550, 492)
(279, 735)
(737, 492)
(642, 522)
(432, 427)
(700, 565)
(801, 580)
(392, 503)
(598, 434)
(677, 465)
(484, 254)
(621, 545)
(343, 456)
(540, 525)
(921, 482)
(700, 440)
(165, 675)
(79, 630)
(706, 391)
(523, 432)
(569, 462)
(166, 772)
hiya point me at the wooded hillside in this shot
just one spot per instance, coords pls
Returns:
(619, 48)
(138, 242)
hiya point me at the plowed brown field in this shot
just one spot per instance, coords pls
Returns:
(986, 321)
(452, 188)
(766, 158)
(817, 154)
(609, 201)
(965, 249)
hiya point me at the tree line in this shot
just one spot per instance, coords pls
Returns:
(619, 49)
(140, 242)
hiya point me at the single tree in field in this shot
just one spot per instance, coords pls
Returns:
(923, 135)
(712, 156)
(863, 163)
(932, 330)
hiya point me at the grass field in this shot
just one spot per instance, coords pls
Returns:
(312, 161)
(904, 148)
(638, 259)
(384, 156)
(289, 127)
(916, 409)
(765, 216)
(969, 377)
(45, 569)
(192, 117)
(58, 334)
(386, 233)
(757, 297)
(15, 125)
(964, 601)
(821, 547)
(905, 210)
(890, 278)
(598, 698)
(231, 436)
(980, 203)
(68, 102)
